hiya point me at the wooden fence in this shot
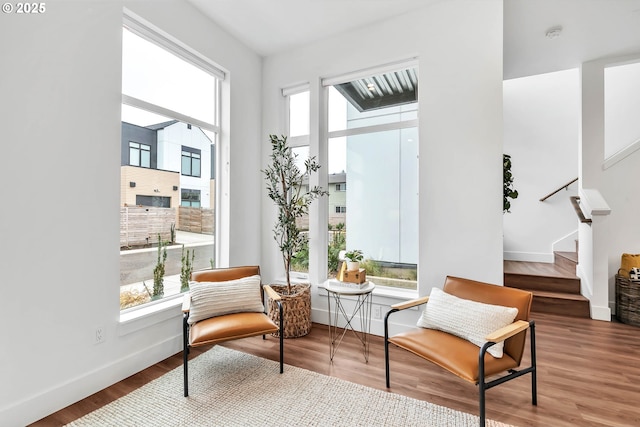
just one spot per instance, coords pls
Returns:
(140, 225)
(195, 220)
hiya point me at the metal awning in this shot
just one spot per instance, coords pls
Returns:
(384, 90)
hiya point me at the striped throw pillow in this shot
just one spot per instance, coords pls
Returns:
(210, 299)
(467, 319)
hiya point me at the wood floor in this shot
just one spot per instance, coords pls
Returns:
(588, 375)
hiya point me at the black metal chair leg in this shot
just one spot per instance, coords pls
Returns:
(281, 338)
(386, 346)
(185, 353)
(482, 403)
(534, 375)
(482, 386)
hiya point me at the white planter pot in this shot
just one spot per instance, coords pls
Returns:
(353, 265)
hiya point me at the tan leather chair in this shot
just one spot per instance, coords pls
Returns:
(461, 357)
(215, 330)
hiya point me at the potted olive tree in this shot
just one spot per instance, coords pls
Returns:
(285, 187)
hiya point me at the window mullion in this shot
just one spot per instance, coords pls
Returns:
(153, 108)
(374, 128)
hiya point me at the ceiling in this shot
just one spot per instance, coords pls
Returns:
(591, 29)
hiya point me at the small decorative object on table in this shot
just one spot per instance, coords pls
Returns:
(355, 276)
(358, 276)
(353, 259)
(348, 285)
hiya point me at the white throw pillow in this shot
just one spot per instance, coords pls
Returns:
(466, 319)
(210, 299)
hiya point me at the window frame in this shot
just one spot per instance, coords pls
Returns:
(139, 149)
(190, 192)
(299, 141)
(327, 83)
(152, 34)
(193, 155)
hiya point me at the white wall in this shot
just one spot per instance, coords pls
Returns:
(617, 184)
(541, 133)
(459, 45)
(60, 95)
(621, 110)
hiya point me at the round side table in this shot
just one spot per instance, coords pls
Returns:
(362, 310)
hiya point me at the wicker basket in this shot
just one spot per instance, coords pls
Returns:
(627, 300)
(296, 309)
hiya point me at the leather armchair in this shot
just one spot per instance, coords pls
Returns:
(215, 330)
(461, 357)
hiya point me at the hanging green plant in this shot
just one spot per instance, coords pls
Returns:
(509, 191)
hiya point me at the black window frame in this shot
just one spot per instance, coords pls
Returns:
(193, 154)
(139, 151)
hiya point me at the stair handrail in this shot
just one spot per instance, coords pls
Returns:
(575, 201)
(565, 186)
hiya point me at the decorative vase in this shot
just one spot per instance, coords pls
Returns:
(296, 309)
(353, 265)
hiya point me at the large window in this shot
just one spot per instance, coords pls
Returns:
(139, 154)
(190, 161)
(169, 132)
(373, 150)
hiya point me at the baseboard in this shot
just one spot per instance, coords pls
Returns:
(528, 256)
(601, 313)
(52, 400)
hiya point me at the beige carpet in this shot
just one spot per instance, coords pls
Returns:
(230, 388)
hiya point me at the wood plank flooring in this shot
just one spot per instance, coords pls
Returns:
(588, 375)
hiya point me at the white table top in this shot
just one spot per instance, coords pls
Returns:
(332, 285)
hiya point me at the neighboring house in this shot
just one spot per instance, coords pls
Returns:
(337, 198)
(337, 201)
(167, 165)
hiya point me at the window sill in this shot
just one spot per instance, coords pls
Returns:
(139, 318)
(395, 293)
(384, 295)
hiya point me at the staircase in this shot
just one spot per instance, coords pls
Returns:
(555, 287)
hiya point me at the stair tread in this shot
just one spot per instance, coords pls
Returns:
(562, 295)
(555, 286)
(544, 269)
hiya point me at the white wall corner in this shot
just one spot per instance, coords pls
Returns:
(566, 243)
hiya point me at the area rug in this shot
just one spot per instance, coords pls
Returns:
(231, 388)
